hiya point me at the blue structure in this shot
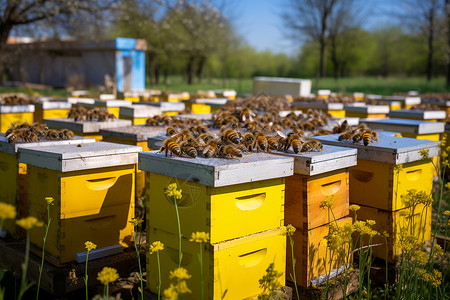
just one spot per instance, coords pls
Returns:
(118, 63)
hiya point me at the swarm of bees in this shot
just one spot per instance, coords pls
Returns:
(80, 113)
(35, 132)
(17, 100)
(359, 133)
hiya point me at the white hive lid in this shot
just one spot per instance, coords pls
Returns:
(85, 126)
(318, 105)
(139, 111)
(369, 109)
(406, 125)
(5, 109)
(54, 105)
(418, 114)
(137, 133)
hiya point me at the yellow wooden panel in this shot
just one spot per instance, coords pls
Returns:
(395, 106)
(6, 119)
(231, 270)
(9, 172)
(364, 115)
(337, 113)
(430, 137)
(91, 135)
(114, 111)
(310, 249)
(132, 98)
(41, 114)
(304, 195)
(200, 108)
(380, 185)
(225, 212)
(171, 113)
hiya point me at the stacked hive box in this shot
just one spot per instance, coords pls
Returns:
(367, 111)
(93, 188)
(51, 110)
(169, 108)
(90, 129)
(317, 176)
(422, 115)
(386, 170)
(334, 109)
(13, 186)
(15, 114)
(112, 106)
(138, 114)
(422, 130)
(240, 203)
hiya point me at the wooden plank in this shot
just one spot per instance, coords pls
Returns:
(368, 109)
(139, 111)
(5, 109)
(13, 148)
(317, 105)
(136, 133)
(85, 126)
(418, 114)
(54, 105)
(403, 99)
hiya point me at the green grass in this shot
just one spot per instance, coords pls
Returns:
(371, 85)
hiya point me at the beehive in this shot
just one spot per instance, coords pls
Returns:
(422, 115)
(387, 169)
(80, 101)
(214, 104)
(323, 94)
(310, 250)
(138, 114)
(317, 176)
(231, 269)
(13, 186)
(131, 96)
(51, 110)
(249, 191)
(391, 222)
(442, 104)
(334, 109)
(137, 136)
(367, 111)
(86, 128)
(230, 94)
(358, 96)
(93, 189)
(423, 130)
(15, 114)
(406, 101)
(112, 106)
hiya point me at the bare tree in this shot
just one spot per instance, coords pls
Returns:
(310, 19)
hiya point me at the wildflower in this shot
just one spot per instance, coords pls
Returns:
(447, 213)
(437, 249)
(199, 237)
(398, 168)
(425, 153)
(136, 221)
(171, 293)
(7, 211)
(177, 194)
(434, 278)
(182, 287)
(180, 274)
(90, 245)
(354, 207)
(414, 197)
(385, 234)
(447, 186)
(29, 222)
(290, 230)
(49, 200)
(107, 275)
(156, 246)
(421, 256)
(328, 202)
(370, 222)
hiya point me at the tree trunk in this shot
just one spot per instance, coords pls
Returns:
(152, 67)
(201, 67)
(190, 69)
(430, 44)
(323, 57)
(447, 7)
(334, 58)
(5, 29)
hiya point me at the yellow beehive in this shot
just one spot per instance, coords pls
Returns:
(231, 270)
(367, 111)
(323, 94)
(112, 106)
(15, 114)
(391, 222)
(51, 110)
(249, 191)
(93, 188)
(199, 108)
(406, 101)
(138, 114)
(131, 96)
(358, 96)
(310, 250)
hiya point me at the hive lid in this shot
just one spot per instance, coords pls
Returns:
(389, 149)
(211, 101)
(139, 111)
(112, 103)
(318, 105)
(76, 100)
(67, 158)
(418, 114)
(217, 171)
(406, 125)
(405, 100)
(12, 148)
(54, 105)
(85, 126)
(201, 116)
(5, 109)
(329, 159)
(441, 103)
(136, 133)
(168, 106)
(369, 109)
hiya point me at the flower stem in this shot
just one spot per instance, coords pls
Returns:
(200, 258)
(159, 276)
(49, 220)
(139, 264)
(180, 254)
(86, 274)
(293, 265)
(23, 285)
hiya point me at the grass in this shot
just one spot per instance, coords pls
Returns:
(370, 85)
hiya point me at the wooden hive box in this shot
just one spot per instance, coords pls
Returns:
(422, 130)
(200, 116)
(213, 104)
(137, 136)
(310, 249)
(334, 109)
(12, 114)
(422, 115)
(13, 186)
(230, 94)
(317, 176)
(231, 269)
(169, 108)
(249, 191)
(138, 114)
(387, 169)
(132, 96)
(112, 106)
(442, 104)
(392, 104)
(86, 128)
(93, 189)
(51, 110)
(406, 101)
(367, 111)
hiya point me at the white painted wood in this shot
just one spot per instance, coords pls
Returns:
(374, 97)
(216, 171)
(5, 109)
(278, 86)
(369, 109)
(75, 100)
(54, 105)
(112, 103)
(211, 101)
(440, 103)
(202, 116)
(284, 113)
(352, 121)
(406, 125)
(389, 149)
(168, 106)
(317, 105)
(139, 111)
(80, 257)
(405, 100)
(136, 133)
(418, 114)
(85, 126)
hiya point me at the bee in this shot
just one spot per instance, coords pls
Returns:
(246, 114)
(39, 129)
(316, 144)
(15, 135)
(261, 142)
(251, 126)
(151, 122)
(242, 147)
(249, 141)
(206, 137)
(230, 135)
(29, 136)
(361, 127)
(229, 151)
(52, 134)
(166, 120)
(184, 135)
(357, 136)
(346, 135)
(307, 126)
(292, 139)
(170, 145)
(66, 134)
(273, 142)
(211, 148)
(322, 132)
(188, 149)
(338, 128)
(171, 131)
(368, 136)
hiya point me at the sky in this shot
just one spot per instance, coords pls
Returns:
(259, 22)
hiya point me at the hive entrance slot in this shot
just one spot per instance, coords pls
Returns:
(252, 258)
(250, 202)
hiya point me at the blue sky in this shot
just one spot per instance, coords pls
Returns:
(259, 22)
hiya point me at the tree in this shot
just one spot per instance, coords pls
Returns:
(310, 18)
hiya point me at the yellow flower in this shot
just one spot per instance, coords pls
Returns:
(370, 222)
(182, 287)
(49, 200)
(156, 246)
(447, 213)
(29, 222)
(425, 153)
(171, 191)
(136, 221)
(354, 207)
(421, 256)
(437, 250)
(290, 230)
(172, 187)
(448, 185)
(385, 234)
(199, 237)
(7, 211)
(90, 246)
(328, 202)
(107, 275)
(180, 274)
(171, 293)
